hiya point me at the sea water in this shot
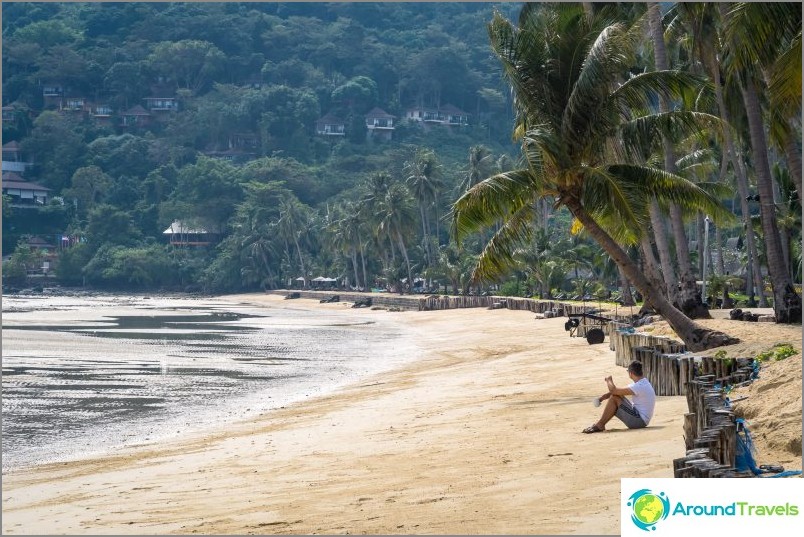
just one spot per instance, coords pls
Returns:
(85, 375)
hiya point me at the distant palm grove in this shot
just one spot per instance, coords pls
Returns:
(634, 151)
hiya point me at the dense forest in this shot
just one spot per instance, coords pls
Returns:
(232, 145)
(235, 146)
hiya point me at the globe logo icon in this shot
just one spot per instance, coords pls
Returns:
(648, 508)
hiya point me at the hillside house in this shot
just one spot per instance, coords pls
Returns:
(444, 115)
(52, 94)
(73, 104)
(161, 104)
(13, 160)
(180, 234)
(329, 125)
(22, 192)
(380, 124)
(135, 117)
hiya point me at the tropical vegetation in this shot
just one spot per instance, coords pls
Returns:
(630, 152)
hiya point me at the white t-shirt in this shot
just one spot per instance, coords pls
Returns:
(644, 399)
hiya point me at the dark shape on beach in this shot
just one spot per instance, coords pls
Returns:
(595, 336)
(294, 294)
(362, 303)
(333, 298)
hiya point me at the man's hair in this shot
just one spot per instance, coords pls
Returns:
(635, 367)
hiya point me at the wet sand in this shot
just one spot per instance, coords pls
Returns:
(479, 435)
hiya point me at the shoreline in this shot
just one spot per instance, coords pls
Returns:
(481, 434)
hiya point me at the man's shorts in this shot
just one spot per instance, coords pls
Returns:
(629, 415)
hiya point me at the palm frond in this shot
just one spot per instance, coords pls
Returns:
(639, 91)
(642, 135)
(494, 199)
(499, 254)
(670, 188)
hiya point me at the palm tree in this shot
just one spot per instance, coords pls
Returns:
(581, 123)
(478, 167)
(688, 298)
(756, 36)
(702, 21)
(396, 219)
(293, 222)
(423, 175)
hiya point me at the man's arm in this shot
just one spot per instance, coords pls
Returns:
(614, 390)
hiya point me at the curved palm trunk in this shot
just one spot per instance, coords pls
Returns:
(695, 336)
(786, 302)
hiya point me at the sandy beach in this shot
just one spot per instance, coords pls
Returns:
(481, 435)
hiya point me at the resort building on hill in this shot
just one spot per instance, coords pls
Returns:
(13, 160)
(23, 192)
(444, 115)
(180, 234)
(380, 124)
(329, 125)
(135, 117)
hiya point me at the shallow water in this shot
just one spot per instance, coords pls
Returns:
(83, 375)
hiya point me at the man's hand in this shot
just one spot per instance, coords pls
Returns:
(610, 384)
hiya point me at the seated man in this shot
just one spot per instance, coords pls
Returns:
(635, 413)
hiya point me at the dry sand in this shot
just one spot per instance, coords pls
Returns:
(481, 435)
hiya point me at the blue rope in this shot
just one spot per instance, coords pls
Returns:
(786, 473)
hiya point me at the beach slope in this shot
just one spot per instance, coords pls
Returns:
(481, 434)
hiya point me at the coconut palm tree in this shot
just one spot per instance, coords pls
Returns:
(582, 122)
(293, 222)
(687, 298)
(756, 37)
(702, 21)
(423, 175)
(396, 220)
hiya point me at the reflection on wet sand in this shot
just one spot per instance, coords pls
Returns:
(83, 375)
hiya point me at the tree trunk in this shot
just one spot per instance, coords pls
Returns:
(405, 255)
(750, 238)
(686, 294)
(742, 185)
(652, 270)
(694, 336)
(625, 285)
(721, 265)
(301, 259)
(363, 263)
(663, 248)
(425, 235)
(786, 302)
(793, 155)
(353, 253)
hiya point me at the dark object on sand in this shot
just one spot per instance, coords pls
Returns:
(595, 336)
(333, 298)
(740, 315)
(293, 295)
(362, 303)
